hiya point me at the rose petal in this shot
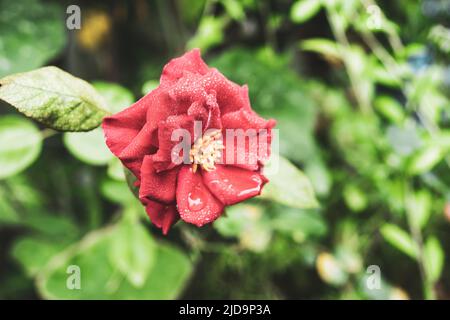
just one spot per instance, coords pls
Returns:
(208, 112)
(133, 154)
(240, 154)
(232, 185)
(122, 127)
(196, 204)
(160, 106)
(129, 136)
(163, 158)
(157, 186)
(246, 119)
(196, 87)
(191, 61)
(247, 139)
(245, 97)
(162, 216)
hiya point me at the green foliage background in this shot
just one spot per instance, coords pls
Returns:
(360, 90)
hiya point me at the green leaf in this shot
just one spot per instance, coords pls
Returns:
(399, 239)
(102, 280)
(116, 170)
(116, 96)
(116, 191)
(20, 144)
(133, 252)
(390, 108)
(55, 98)
(434, 258)
(234, 8)
(249, 224)
(419, 208)
(355, 198)
(8, 214)
(299, 223)
(209, 33)
(31, 34)
(425, 159)
(325, 47)
(304, 10)
(287, 184)
(33, 253)
(149, 86)
(89, 147)
(238, 219)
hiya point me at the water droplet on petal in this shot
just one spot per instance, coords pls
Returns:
(196, 199)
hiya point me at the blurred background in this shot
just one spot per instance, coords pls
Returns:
(360, 90)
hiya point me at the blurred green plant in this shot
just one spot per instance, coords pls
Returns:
(367, 122)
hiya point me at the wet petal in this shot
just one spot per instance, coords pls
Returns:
(120, 129)
(162, 216)
(163, 158)
(196, 204)
(157, 186)
(232, 185)
(189, 62)
(246, 119)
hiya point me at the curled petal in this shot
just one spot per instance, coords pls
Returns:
(192, 87)
(246, 119)
(133, 154)
(162, 216)
(128, 136)
(157, 186)
(207, 111)
(121, 128)
(166, 135)
(232, 185)
(196, 204)
(189, 62)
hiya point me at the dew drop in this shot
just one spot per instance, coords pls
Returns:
(196, 199)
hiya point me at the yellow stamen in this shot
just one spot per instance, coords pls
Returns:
(206, 151)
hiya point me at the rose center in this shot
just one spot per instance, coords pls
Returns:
(206, 151)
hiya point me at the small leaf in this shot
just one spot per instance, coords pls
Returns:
(88, 147)
(399, 239)
(390, 108)
(434, 258)
(325, 47)
(55, 98)
(330, 269)
(304, 10)
(116, 170)
(419, 208)
(355, 198)
(239, 218)
(116, 96)
(116, 191)
(149, 86)
(209, 33)
(299, 223)
(20, 144)
(234, 9)
(33, 254)
(287, 184)
(133, 252)
(246, 222)
(8, 214)
(424, 160)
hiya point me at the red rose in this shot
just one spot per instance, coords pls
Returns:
(141, 136)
